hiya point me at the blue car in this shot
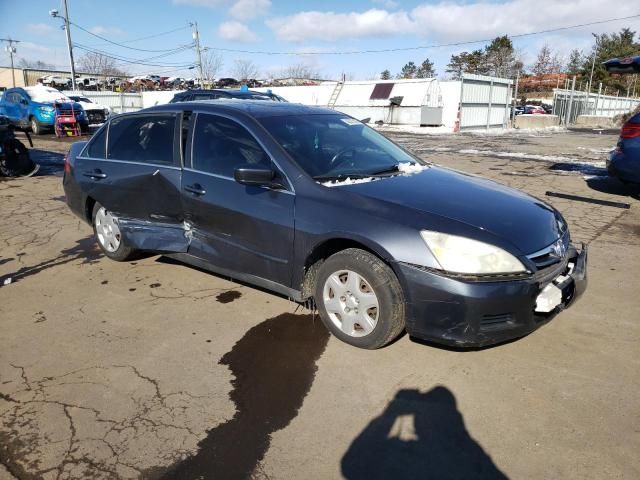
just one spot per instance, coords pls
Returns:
(32, 107)
(624, 161)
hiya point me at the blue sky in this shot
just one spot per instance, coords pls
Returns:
(302, 26)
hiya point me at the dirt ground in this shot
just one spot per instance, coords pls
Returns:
(152, 369)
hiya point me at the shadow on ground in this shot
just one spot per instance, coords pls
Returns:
(51, 163)
(613, 186)
(274, 366)
(418, 435)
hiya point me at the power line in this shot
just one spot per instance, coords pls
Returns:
(125, 60)
(421, 47)
(116, 43)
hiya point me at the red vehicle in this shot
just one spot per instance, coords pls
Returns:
(534, 110)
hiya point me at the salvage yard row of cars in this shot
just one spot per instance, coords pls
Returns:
(34, 108)
(315, 205)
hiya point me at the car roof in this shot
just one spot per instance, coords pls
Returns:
(253, 108)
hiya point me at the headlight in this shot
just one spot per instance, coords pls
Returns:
(45, 109)
(106, 112)
(463, 255)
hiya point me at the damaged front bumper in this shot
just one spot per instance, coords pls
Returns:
(464, 313)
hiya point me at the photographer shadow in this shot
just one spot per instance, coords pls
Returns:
(418, 436)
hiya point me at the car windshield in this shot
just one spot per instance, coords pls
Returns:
(46, 95)
(335, 146)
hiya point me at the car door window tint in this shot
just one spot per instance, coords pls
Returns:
(97, 146)
(147, 139)
(221, 145)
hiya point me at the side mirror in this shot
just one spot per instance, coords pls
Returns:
(258, 177)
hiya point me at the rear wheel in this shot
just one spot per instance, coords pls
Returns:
(360, 299)
(110, 239)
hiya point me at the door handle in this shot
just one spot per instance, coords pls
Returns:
(195, 189)
(95, 174)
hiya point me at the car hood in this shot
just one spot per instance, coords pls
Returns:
(524, 221)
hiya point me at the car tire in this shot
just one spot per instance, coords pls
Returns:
(108, 235)
(366, 310)
(36, 127)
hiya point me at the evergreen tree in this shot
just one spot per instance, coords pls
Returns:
(408, 71)
(385, 75)
(426, 70)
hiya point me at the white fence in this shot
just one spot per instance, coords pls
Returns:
(119, 102)
(484, 101)
(568, 104)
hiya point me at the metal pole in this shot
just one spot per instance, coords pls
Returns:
(567, 117)
(515, 96)
(69, 45)
(490, 104)
(597, 99)
(13, 72)
(10, 49)
(196, 37)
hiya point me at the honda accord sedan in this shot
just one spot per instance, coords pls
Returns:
(314, 205)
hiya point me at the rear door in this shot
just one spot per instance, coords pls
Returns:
(246, 229)
(132, 167)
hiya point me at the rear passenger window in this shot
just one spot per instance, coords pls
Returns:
(221, 145)
(97, 145)
(146, 139)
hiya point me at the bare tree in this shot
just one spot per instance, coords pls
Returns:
(211, 64)
(245, 69)
(546, 61)
(37, 64)
(92, 62)
(300, 70)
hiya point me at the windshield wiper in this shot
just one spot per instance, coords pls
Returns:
(390, 169)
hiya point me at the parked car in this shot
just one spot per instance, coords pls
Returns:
(88, 83)
(226, 82)
(624, 161)
(190, 95)
(96, 113)
(311, 203)
(32, 107)
(534, 110)
(55, 81)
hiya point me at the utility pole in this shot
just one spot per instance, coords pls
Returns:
(196, 37)
(593, 61)
(67, 24)
(10, 49)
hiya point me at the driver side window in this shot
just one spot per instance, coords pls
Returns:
(221, 145)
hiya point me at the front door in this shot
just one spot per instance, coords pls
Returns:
(241, 228)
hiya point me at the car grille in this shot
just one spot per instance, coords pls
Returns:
(551, 254)
(95, 117)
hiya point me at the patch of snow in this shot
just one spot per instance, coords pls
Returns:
(528, 156)
(596, 150)
(415, 129)
(7, 281)
(348, 181)
(411, 168)
(513, 131)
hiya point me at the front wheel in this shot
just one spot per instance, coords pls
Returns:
(107, 231)
(36, 127)
(360, 299)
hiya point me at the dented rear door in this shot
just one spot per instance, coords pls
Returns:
(133, 169)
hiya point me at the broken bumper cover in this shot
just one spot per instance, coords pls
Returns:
(463, 313)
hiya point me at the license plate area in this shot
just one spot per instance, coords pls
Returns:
(557, 293)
